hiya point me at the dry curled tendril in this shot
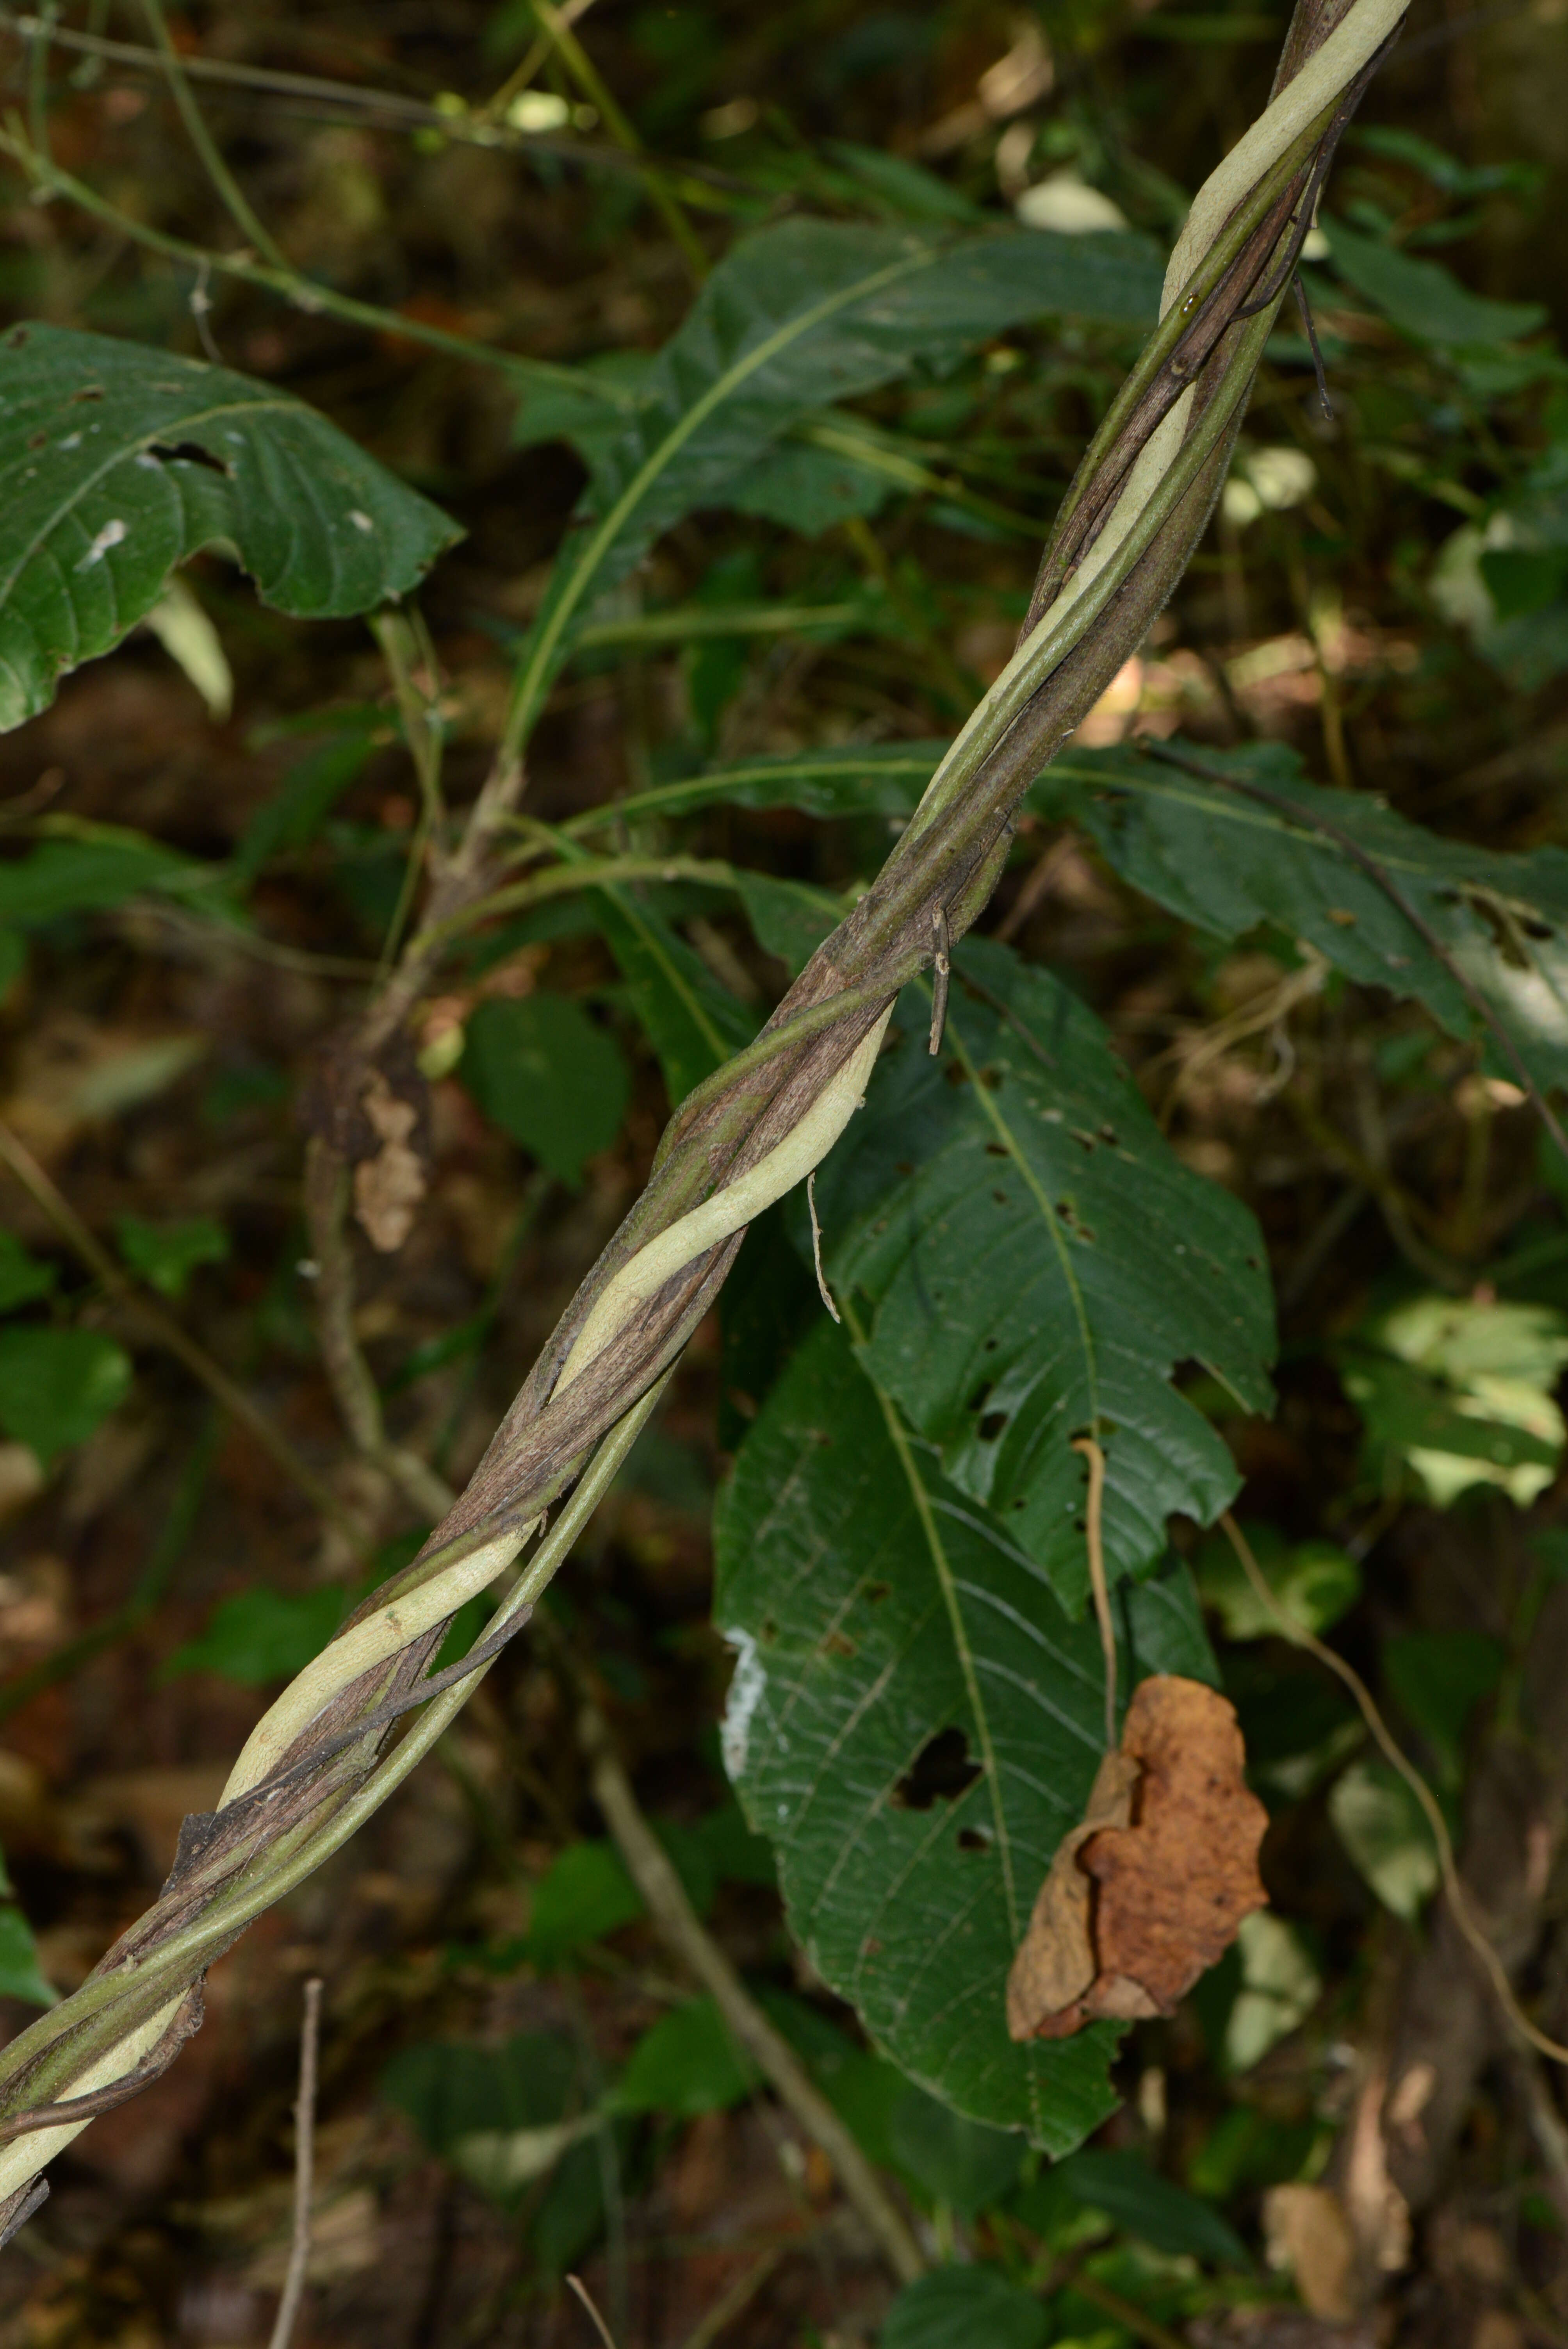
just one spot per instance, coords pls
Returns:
(326, 1756)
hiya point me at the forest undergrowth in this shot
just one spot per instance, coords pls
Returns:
(1264, 1020)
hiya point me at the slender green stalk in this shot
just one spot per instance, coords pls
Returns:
(234, 199)
(590, 81)
(303, 292)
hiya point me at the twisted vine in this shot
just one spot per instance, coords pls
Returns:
(325, 1755)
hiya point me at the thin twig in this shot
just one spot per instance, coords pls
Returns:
(576, 2285)
(304, 2167)
(689, 1938)
(1094, 1536)
(305, 294)
(1319, 370)
(1458, 1899)
(942, 966)
(231, 193)
(823, 1291)
(167, 1332)
(733, 2302)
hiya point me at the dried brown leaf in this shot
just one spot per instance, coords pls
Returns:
(1149, 1889)
(388, 1188)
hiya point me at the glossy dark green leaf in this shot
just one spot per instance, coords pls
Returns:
(1033, 1262)
(1228, 863)
(58, 1385)
(962, 2308)
(914, 1723)
(548, 1075)
(117, 463)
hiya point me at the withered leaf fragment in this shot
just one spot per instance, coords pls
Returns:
(1149, 1887)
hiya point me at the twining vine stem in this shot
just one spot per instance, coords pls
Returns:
(324, 1757)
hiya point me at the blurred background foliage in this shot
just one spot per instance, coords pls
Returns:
(1336, 2138)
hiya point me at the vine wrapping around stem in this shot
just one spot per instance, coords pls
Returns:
(318, 1764)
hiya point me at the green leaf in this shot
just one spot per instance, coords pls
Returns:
(1314, 1581)
(83, 875)
(167, 1254)
(1280, 1987)
(689, 2062)
(583, 1894)
(693, 1023)
(875, 779)
(790, 918)
(587, 419)
(291, 818)
(1124, 2186)
(261, 1635)
(20, 1974)
(1422, 298)
(58, 1385)
(1228, 863)
(118, 462)
(798, 315)
(962, 2308)
(809, 490)
(13, 961)
(1439, 1678)
(958, 2161)
(735, 1853)
(1380, 1822)
(548, 1075)
(23, 1278)
(1461, 1391)
(914, 1723)
(1040, 1261)
(450, 2089)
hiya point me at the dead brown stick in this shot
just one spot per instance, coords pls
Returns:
(734, 2301)
(575, 2285)
(686, 1934)
(304, 2168)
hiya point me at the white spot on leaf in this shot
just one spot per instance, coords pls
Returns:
(746, 1689)
(361, 521)
(109, 535)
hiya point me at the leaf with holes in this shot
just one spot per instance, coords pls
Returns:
(1231, 861)
(914, 1723)
(117, 463)
(1033, 1262)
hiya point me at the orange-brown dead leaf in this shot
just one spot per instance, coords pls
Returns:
(1149, 1889)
